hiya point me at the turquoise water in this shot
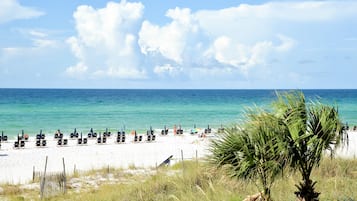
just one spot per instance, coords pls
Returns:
(66, 109)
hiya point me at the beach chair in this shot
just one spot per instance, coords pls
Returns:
(43, 143)
(179, 130)
(3, 137)
(153, 137)
(123, 137)
(38, 143)
(118, 140)
(74, 134)
(106, 133)
(17, 143)
(85, 140)
(208, 130)
(58, 134)
(148, 137)
(22, 143)
(65, 141)
(99, 140)
(140, 138)
(165, 131)
(92, 134)
(104, 140)
(79, 141)
(135, 138)
(59, 142)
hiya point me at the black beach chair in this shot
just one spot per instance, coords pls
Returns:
(43, 143)
(16, 144)
(38, 143)
(22, 143)
(74, 134)
(59, 142)
(58, 134)
(207, 130)
(3, 137)
(99, 139)
(106, 133)
(118, 140)
(65, 141)
(165, 131)
(123, 136)
(136, 137)
(179, 131)
(92, 134)
(41, 135)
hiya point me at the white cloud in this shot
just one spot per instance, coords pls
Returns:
(41, 42)
(77, 71)
(169, 40)
(106, 40)
(167, 69)
(190, 44)
(12, 10)
(111, 43)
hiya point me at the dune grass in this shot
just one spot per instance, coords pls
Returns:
(198, 181)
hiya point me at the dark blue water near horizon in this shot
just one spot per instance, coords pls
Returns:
(66, 109)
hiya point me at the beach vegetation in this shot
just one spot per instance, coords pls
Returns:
(252, 151)
(293, 133)
(313, 129)
(197, 181)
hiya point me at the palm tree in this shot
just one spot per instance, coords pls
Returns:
(313, 128)
(252, 151)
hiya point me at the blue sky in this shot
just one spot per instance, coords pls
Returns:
(178, 44)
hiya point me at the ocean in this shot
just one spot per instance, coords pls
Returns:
(33, 110)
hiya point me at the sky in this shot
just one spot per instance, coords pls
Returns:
(178, 44)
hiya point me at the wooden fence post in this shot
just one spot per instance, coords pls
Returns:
(183, 166)
(65, 177)
(44, 179)
(33, 174)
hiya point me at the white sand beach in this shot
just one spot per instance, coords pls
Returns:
(16, 165)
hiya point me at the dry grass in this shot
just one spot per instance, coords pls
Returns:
(336, 181)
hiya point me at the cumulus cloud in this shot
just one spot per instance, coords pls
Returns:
(12, 10)
(190, 45)
(115, 41)
(169, 40)
(106, 40)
